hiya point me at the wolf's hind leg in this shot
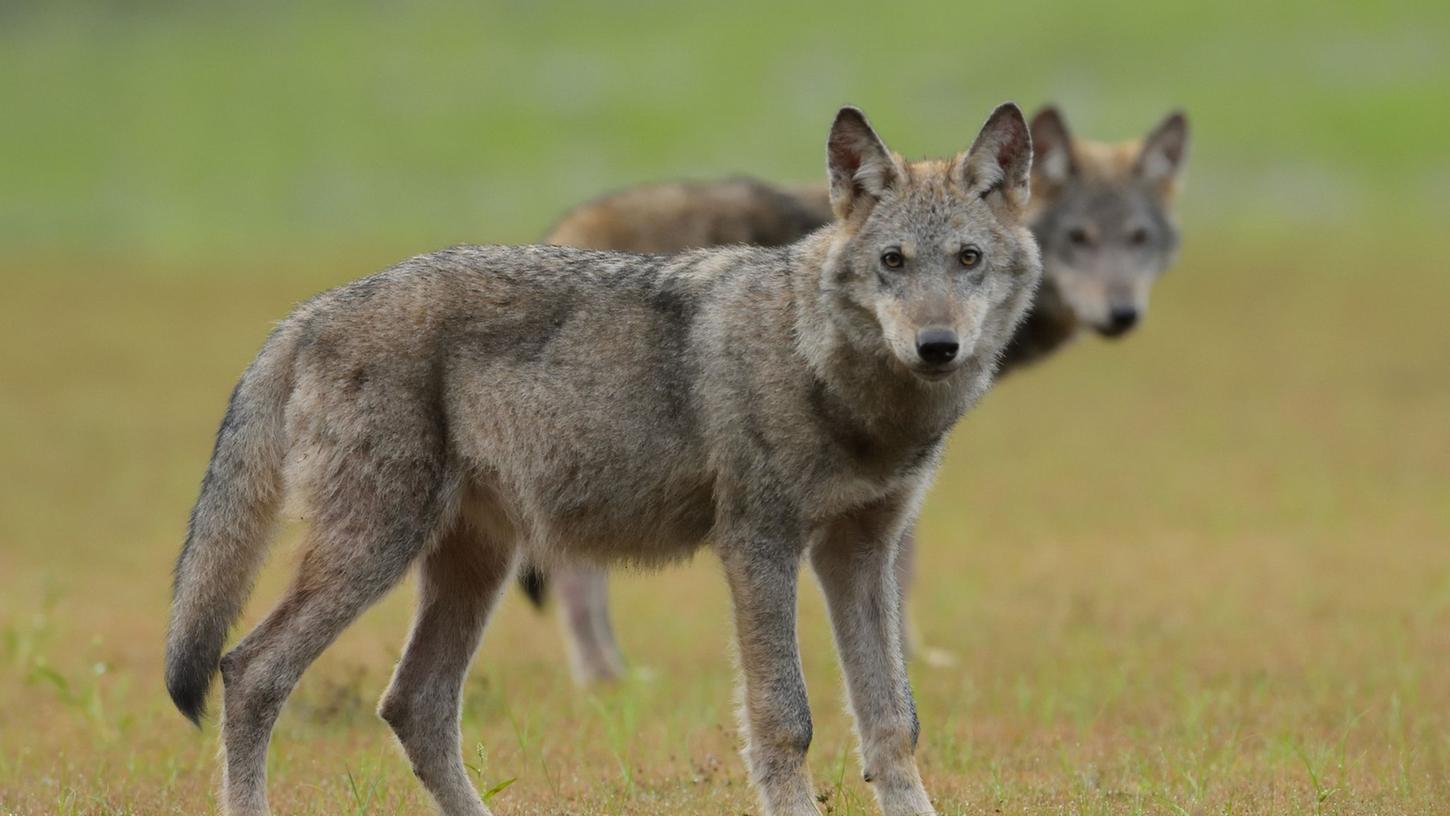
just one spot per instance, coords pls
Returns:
(343, 572)
(594, 654)
(458, 585)
(379, 496)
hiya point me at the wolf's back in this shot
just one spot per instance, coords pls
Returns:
(231, 523)
(676, 216)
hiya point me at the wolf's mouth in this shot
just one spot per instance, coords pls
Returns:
(934, 373)
(1111, 331)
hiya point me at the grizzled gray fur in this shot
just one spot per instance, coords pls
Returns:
(776, 405)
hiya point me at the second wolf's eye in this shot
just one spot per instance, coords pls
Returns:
(1138, 237)
(891, 259)
(1079, 236)
(970, 257)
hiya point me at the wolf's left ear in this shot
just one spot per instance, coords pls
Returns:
(861, 168)
(998, 167)
(1164, 152)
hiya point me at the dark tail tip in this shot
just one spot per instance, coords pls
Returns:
(535, 584)
(189, 699)
(188, 677)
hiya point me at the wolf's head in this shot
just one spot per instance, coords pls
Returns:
(1102, 214)
(935, 263)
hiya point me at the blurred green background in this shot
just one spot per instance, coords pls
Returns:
(174, 131)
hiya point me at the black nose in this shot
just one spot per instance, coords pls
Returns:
(1123, 318)
(937, 346)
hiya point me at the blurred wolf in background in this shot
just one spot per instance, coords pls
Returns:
(1102, 214)
(474, 404)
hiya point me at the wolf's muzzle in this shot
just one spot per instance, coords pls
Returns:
(1120, 321)
(937, 346)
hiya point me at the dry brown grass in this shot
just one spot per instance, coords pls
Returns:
(1206, 570)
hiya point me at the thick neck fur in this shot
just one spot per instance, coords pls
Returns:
(1050, 324)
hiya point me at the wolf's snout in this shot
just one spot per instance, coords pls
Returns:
(1120, 320)
(937, 346)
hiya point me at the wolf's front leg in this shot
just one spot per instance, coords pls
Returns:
(763, 572)
(855, 566)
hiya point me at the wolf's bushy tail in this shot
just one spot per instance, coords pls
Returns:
(231, 524)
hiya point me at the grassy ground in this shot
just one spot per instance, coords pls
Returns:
(1205, 570)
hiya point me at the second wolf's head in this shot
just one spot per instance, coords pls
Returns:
(1102, 214)
(934, 264)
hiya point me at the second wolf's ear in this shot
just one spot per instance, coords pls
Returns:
(1164, 152)
(998, 167)
(861, 168)
(1052, 159)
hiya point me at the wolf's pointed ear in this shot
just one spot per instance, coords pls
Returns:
(998, 167)
(1165, 150)
(861, 168)
(1052, 159)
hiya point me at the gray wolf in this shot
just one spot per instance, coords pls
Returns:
(471, 405)
(1102, 214)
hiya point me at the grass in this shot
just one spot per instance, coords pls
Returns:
(1200, 571)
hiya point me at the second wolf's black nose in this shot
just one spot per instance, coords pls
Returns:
(1123, 318)
(937, 346)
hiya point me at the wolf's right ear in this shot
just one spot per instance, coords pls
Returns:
(1052, 159)
(1164, 152)
(998, 167)
(861, 168)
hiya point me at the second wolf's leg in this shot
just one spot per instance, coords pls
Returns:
(855, 566)
(457, 587)
(776, 712)
(912, 644)
(583, 592)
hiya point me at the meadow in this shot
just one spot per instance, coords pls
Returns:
(1201, 570)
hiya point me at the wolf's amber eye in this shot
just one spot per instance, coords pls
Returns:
(1079, 236)
(970, 257)
(891, 259)
(1138, 237)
